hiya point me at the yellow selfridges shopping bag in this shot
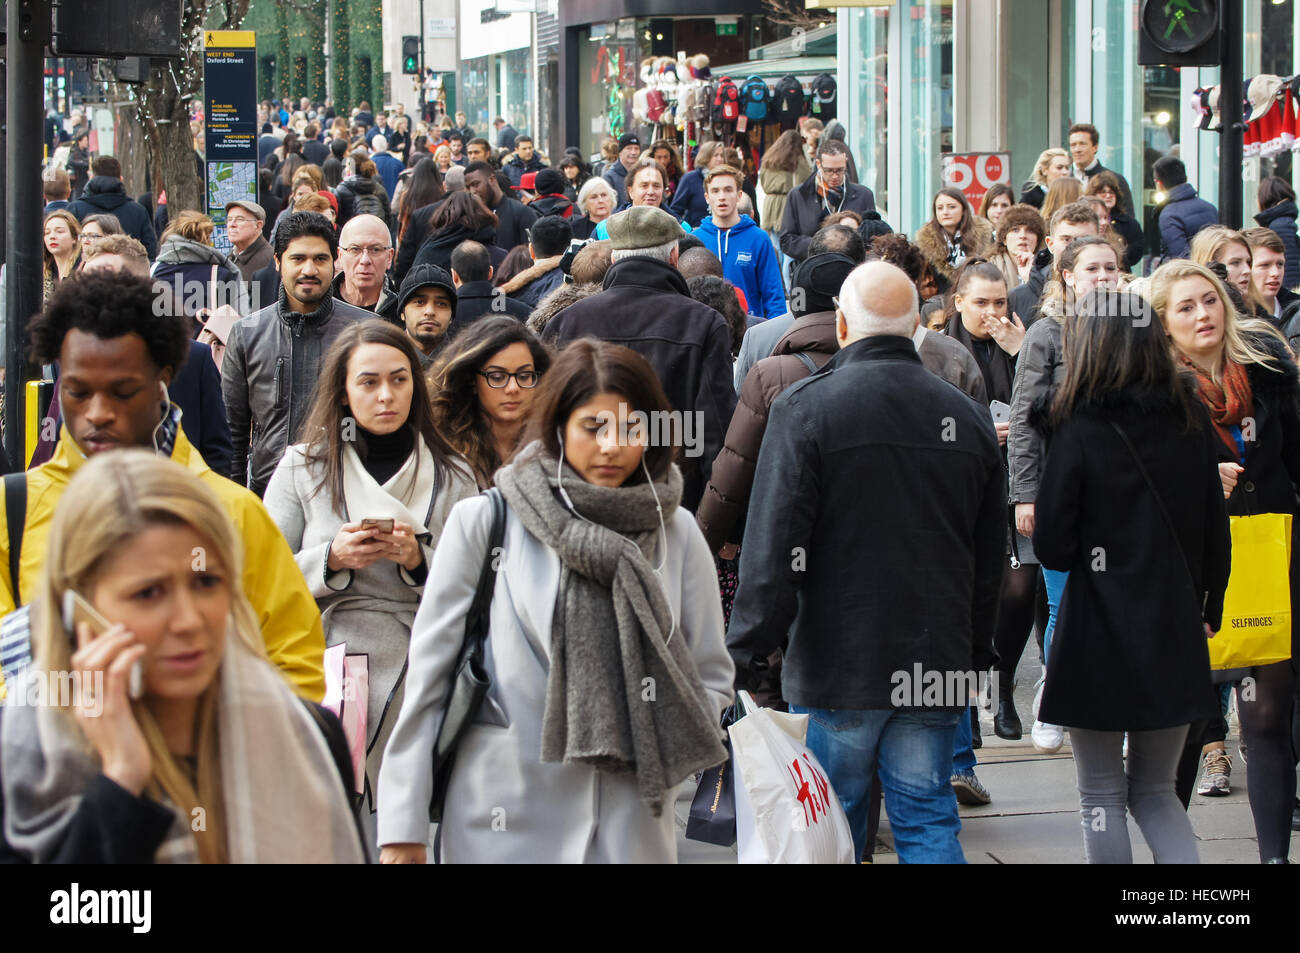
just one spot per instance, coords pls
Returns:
(1256, 626)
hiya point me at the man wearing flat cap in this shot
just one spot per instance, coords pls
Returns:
(647, 307)
(251, 251)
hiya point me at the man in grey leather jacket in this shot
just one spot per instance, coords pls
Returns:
(274, 356)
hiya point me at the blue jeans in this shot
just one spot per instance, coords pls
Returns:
(910, 753)
(1054, 581)
(963, 738)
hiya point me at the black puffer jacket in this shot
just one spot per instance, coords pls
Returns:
(104, 193)
(358, 195)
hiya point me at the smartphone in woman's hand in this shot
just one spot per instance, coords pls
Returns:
(77, 609)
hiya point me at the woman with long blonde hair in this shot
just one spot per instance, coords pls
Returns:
(60, 247)
(1052, 164)
(1248, 381)
(1230, 248)
(206, 755)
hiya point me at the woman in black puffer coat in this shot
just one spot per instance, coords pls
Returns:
(363, 192)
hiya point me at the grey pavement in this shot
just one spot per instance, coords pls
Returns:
(1034, 817)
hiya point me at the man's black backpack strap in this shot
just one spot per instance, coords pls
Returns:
(16, 521)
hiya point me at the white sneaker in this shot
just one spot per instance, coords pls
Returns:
(1047, 738)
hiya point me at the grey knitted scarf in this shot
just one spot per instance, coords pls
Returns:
(623, 693)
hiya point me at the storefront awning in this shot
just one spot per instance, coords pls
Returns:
(804, 68)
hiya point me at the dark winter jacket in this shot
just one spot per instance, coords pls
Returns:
(317, 152)
(104, 193)
(437, 248)
(358, 195)
(645, 305)
(533, 284)
(805, 210)
(853, 454)
(689, 203)
(186, 268)
(474, 299)
(1033, 194)
(1282, 219)
(1129, 653)
(516, 168)
(552, 205)
(1024, 299)
(1127, 228)
(722, 510)
(268, 377)
(1181, 217)
(616, 176)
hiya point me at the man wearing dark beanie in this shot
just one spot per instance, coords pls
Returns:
(629, 150)
(426, 303)
(549, 187)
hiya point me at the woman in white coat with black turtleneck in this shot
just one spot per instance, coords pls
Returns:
(605, 649)
(370, 453)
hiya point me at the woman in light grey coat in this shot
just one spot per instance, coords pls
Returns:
(372, 454)
(605, 650)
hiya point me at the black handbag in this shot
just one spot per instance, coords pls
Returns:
(712, 819)
(470, 683)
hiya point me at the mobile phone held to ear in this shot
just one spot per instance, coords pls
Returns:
(77, 609)
(382, 526)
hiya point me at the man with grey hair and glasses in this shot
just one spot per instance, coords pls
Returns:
(874, 542)
(647, 307)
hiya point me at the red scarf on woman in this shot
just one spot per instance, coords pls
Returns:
(1229, 403)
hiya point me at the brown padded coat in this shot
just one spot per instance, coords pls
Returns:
(727, 495)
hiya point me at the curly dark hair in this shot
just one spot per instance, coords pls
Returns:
(109, 305)
(897, 250)
(720, 295)
(453, 387)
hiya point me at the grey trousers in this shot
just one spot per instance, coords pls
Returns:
(1109, 789)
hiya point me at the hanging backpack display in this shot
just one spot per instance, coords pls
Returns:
(823, 97)
(788, 101)
(726, 101)
(756, 97)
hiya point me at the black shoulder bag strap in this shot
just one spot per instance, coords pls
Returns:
(469, 682)
(16, 522)
(1164, 511)
(808, 361)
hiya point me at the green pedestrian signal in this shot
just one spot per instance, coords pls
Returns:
(410, 55)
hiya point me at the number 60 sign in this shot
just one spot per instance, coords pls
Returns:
(974, 173)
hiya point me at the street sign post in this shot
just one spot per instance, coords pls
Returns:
(230, 122)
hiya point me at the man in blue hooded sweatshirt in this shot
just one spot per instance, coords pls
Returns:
(748, 259)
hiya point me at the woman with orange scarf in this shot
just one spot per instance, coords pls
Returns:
(1249, 383)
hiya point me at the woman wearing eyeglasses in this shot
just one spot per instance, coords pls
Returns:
(483, 387)
(369, 456)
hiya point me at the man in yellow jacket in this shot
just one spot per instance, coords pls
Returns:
(116, 358)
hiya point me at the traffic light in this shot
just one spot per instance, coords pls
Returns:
(1180, 33)
(410, 55)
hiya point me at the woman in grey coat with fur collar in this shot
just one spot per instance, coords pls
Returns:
(605, 648)
(375, 456)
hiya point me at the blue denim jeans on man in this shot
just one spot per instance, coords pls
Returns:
(910, 753)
